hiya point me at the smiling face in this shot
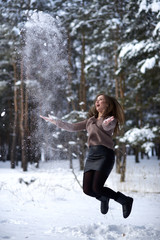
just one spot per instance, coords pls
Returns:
(100, 104)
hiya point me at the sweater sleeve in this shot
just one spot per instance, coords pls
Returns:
(110, 126)
(71, 127)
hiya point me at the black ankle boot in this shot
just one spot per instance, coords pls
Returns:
(104, 204)
(126, 203)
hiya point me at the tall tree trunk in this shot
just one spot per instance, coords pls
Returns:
(82, 101)
(26, 129)
(157, 149)
(22, 131)
(119, 91)
(82, 91)
(13, 146)
(118, 160)
(136, 154)
(117, 94)
(69, 74)
(122, 88)
(82, 149)
(123, 165)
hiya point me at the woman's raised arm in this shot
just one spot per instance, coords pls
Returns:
(70, 127)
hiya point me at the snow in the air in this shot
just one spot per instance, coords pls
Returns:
(3, 114)
(3, 83)
(48, 204)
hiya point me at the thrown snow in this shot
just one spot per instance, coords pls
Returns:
(48, 203)
(3, 114)
(3, 84)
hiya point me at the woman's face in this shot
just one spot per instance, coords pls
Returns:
(100, 104)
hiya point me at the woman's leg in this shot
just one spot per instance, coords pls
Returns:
(93, 185)
(98, 188)
(88, 179)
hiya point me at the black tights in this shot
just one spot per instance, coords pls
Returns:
(93, 185)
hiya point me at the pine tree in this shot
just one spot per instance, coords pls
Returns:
(138, 62)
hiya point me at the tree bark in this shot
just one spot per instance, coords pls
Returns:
(117, 94)
(22, 132)
(82, 91)
(82, 149)
(13, 145)
(118, 162)
(123, 167)
(69, 73)
(82, 100)
(136, 154)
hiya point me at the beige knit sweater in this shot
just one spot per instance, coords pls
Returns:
(98, 133)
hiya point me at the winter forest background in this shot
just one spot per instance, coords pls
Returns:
(55, 56)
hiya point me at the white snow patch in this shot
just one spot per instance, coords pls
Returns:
(148, 146)
(98, 231)
(136, 135)
(60, 146)
(154, 6)
(148, 64)
(132, 48)
(157, 29)
(143, 6)
(32, 2)
(47, 203)
(3, 84)
(18, 83)
(16, 31)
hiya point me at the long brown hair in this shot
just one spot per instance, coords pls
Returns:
(113, 109)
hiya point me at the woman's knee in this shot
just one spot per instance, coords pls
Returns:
(97, 190)
(88, 192)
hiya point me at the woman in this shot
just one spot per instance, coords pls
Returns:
(104, 120)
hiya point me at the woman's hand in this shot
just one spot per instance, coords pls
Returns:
(48, 119)
(108, 120)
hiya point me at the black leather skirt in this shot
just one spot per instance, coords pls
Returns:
(100, 158)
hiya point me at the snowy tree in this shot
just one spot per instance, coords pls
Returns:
(139, 139)
(10, 34)
(139, 60)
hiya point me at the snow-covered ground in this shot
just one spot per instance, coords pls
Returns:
(53, 207)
